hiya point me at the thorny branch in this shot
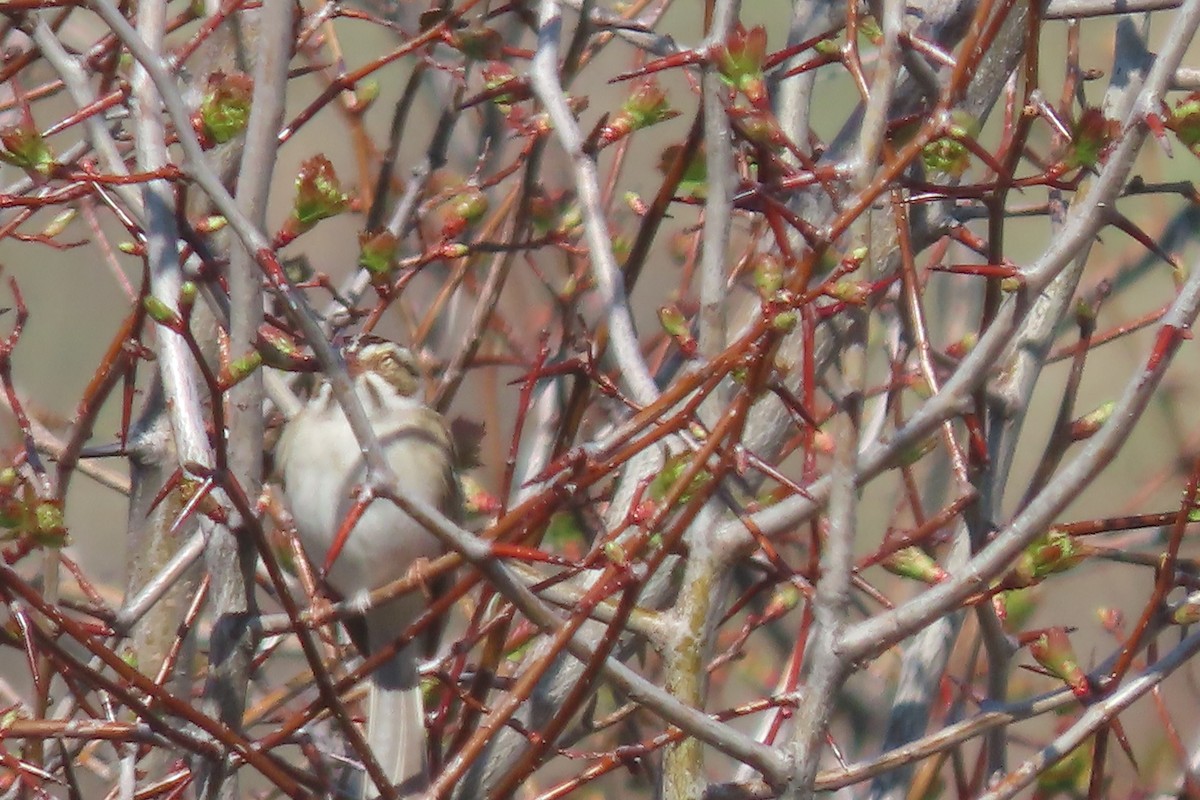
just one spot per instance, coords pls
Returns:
(751, 405)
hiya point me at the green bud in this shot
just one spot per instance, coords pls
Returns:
(211, 224)
(1051, 553)
(59, 223)
(1091, 137)
(670, 473)
(241, 367)
(827, 47)
(1187, 612)
(225, 108)
(365, 92)
(740, 61)
(915, 563)
(855, 293)
(785, 320)
(23, 146)
(51, 525)
(187, 295)
(673, 321)
(768, 274)
(160, 312)
(786, 597)
(947, 156)
(319, 194)
(377, 252)
(452, 250)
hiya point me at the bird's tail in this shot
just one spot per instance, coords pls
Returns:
(395, 709)
(396, 734)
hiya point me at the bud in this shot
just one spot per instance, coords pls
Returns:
(635, 203)
(673, 321)
(1111, 619)
(497, 76)
(22, 146)
(211, 224)
(869, 29)
(785, 321)
(947, 156)
(646, 105)
(614, 553)
(670, 473)
(920, 386)
(827, 47)
(740, 62)
(161, 313)
(365, 93)
(768, 274)
(59, 223)
(855, 293)
(319, 196)
(240, 368)
(187, 295)
(452, 250)
(464, 208)
(478, 42)
(225, 108)
(1052, 649)
(1051, 553)
(377, 253)
(760, 127)
(1089, 423)
(1187, 612)
(1184, 120)
(478, 501)
(13, 515)
(915, 563)
(785, 598)
(963, 346)
(621, 247)
(822, 443)
(1085, 311)
(51, 529)
(1091, 137)
(677, 327)
(279, 351)
(570, 220)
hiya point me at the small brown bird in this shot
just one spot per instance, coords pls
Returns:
(321, 463)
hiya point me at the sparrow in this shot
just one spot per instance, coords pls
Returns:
(320, 463)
